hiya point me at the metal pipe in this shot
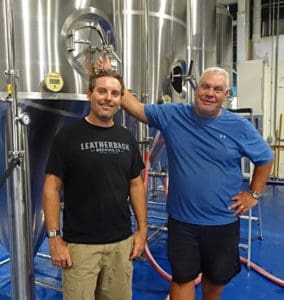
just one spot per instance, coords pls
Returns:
(48, 285)
(189, 91)
(143, 129)
(270, 18)
(145, 96)
(11, 72)
(157, 203)
(117, 21)
(19, 205)
(5, 261)
(39, 282)
(256, 35)
(145, 42)
(154, 234)
(278, 146)
(242, 31)
(43, 255)
(270, 33)
(276, 66)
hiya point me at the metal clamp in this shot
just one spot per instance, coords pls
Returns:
(10, 73)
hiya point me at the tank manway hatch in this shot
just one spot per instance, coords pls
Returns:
(86, 35)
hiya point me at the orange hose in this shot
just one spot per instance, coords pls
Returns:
(160, 270)
(147, 168)
(263, 272)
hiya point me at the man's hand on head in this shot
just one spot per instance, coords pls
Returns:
(103, 63)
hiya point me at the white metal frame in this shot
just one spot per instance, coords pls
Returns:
(250, 218)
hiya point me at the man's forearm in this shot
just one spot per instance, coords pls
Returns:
(260, 176)
(139, 203)
(51, 202)
(134, 107)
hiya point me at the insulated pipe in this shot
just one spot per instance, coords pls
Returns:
(19, 204)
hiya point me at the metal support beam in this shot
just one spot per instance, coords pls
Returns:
(19, 204)
(243, 31)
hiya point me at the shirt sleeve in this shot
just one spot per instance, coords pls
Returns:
(57, 156)
(137, 164)
(159, 115)
(255, 147)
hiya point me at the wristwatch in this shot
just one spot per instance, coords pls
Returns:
(53, 233)
(256, 195)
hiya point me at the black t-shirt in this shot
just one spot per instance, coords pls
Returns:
(96, 165)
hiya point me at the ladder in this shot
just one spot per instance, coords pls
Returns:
(249, 216)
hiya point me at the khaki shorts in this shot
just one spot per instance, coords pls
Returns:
(100, 272)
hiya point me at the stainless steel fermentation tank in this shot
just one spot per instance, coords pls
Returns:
(51, 59)
(55, 45)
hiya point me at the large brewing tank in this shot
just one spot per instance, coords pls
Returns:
(225, 45)
(224, 39)
(202, 34)
(154, 42)
(153, 47)
(60, 38)
(53, 43)
(44, 34)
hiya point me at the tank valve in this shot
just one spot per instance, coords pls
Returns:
(165, 99)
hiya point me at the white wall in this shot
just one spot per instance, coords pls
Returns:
(271, 51)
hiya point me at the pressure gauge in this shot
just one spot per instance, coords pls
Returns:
(24, 119)
(53, 82)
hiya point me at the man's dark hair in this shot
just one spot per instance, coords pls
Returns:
(105, 73)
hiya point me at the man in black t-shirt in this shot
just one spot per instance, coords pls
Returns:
(97, 165)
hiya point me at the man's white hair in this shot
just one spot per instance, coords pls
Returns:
(217, 70)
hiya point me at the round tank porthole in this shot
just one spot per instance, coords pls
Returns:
(177, 73)
(87, 34)
(177, 79)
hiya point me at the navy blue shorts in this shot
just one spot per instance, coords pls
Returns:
(210, 250)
